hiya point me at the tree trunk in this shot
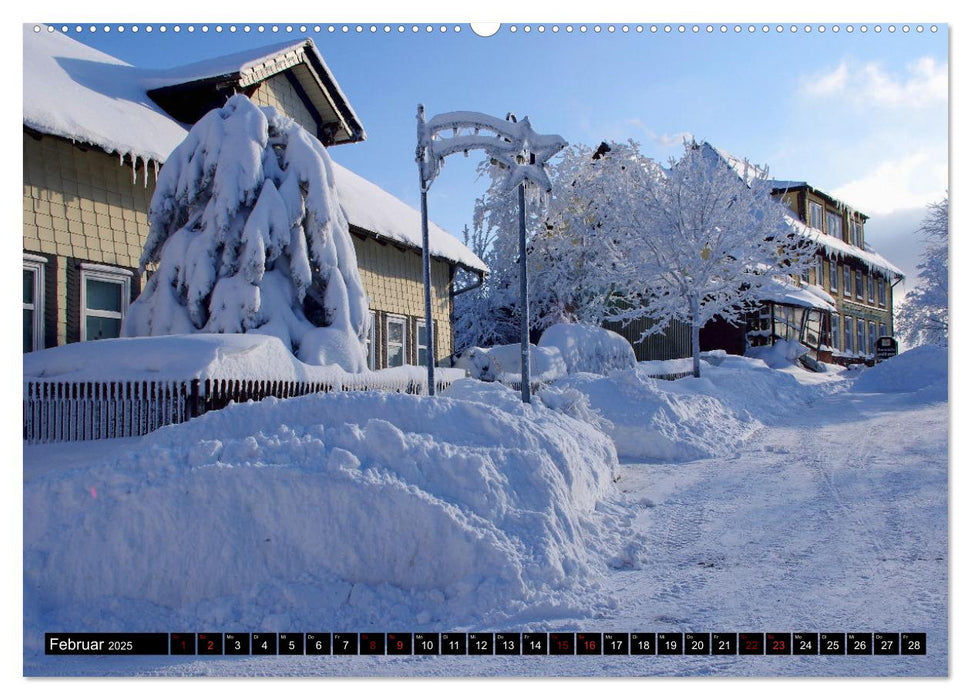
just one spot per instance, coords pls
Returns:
(695, 336)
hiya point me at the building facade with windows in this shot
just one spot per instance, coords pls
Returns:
(859, 281)
(96, 130)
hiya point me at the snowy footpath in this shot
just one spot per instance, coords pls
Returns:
(833, 518)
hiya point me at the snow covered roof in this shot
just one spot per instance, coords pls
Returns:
(835, 246)
(870, 258)
(187, 92)
(784, 291)
(369, 207)
(81, 94)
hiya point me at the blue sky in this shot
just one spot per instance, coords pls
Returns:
(860, 115)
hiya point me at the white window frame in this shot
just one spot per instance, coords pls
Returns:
(860, 287)
(861, 336)
(856, 228)
(371, 345)
(36, 264)
(835, 330)
(834, 275)
(419, 324)
(103, 273)
(848, 334)
(847, 281)
(831, 217)
(815, 207)
(819, 271)
(870, 291)
(871, 347)
(388, 320)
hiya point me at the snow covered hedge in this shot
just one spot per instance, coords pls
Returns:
(248, 234)
(327, 512)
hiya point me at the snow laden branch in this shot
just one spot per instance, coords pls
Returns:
(248, 235)
(698, 240)
(923, 317)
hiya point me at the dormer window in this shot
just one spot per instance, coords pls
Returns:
(857, 231)
(834, 225)
(816, 215)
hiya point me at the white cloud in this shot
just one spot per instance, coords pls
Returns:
(923, 81)
(666, 141)
(911, 181)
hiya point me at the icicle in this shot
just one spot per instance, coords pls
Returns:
(121, 158)
(134, 168)
(145, 174)
(155, 166)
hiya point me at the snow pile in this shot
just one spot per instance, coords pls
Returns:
(589, 348)
(779, 355)
(922, 370)
(341, 511)
(676, 421)
(502, 363)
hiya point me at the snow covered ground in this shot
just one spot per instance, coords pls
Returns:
(829, 515)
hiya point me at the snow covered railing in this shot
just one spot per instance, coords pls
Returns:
(64, 411)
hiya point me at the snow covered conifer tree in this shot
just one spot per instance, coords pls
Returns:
(699, 239)
(923, 317)
(248, 235)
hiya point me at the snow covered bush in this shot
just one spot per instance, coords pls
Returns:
(247, 235)
(589, 348)
(502, 363)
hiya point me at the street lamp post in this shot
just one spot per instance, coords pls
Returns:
(517, 148)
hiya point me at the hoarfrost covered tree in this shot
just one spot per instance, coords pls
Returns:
(699, 239)
(923, 317)
(489, 315)
(248, 236)
(569, 267)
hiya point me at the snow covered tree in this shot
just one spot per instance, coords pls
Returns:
(570, 275)
(699, 239)
(489, 315)
(575, 259)
(923, 317)
(248, 236)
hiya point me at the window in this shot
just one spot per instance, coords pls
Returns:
(859, 285)
(33, 302)
(848, 333)
(860, 335)
(872, 338)
(421, 343)
(371, 359)
(834, 331)
(869, 288)
(816, 215)
(857, 231)
(395, 340)
(819, 271)
(881, 292)
(834, 276)
(105, 292)
(883, 330)
(834, 225)
(847, 281)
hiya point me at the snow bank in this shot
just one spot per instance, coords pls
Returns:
(589, 348)
(676, 421)
(503, 363)
(922, 370)
(196, 356)
(352, 511)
